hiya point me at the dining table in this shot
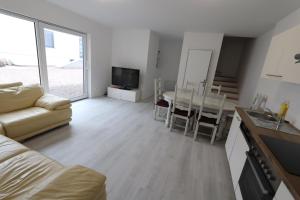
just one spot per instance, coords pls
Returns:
(210, 102)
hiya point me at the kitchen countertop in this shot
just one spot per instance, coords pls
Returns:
(291, 181)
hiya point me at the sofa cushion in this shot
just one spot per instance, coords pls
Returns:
(22, 173)
(22, 122)
(85, 184)
(29, 175)
(52, 102)
(17, 98)
(9, 148)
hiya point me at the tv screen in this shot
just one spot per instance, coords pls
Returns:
(125, 77)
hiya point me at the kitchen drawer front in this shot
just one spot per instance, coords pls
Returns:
(231, 138)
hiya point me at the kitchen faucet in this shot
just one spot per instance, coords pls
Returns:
(279, 120)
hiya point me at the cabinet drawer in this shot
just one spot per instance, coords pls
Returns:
(231, 138)
(238, 157)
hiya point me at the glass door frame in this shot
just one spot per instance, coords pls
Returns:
(41, 50)
(42, 55)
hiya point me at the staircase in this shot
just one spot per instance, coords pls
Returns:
(229, 86)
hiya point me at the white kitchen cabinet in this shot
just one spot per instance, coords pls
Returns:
(280, 63)
(272, 67)
(238, 157)
(231, 138)
(283, 193)
(291, 69)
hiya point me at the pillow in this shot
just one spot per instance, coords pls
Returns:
(8, 85)
(52, 102)
(16, 98)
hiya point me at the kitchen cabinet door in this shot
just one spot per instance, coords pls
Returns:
(291, 69)
(272, 67)
(238, 157)
(231, 138)
(283, 193)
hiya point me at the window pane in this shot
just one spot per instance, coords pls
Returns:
(18, 53)
(65, 65)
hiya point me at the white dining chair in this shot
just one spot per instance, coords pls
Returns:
(159, 102)
(182, 107)
(216, 88)
(208, 117)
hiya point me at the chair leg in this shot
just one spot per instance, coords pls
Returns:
(193, 123)
(171, 123)
(186, 126)
(168, 115)
(213, 136)
(154, 112)
(196, 130)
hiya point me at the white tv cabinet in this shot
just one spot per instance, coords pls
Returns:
(127, 95)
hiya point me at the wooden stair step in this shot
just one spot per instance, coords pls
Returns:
(225, 79)
(231, 96)
(226, 84)
(230, 90)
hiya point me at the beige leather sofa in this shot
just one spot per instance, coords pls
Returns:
(26, 111)
(26, 174)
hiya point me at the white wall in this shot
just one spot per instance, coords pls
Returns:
(130, 48)
(152, 70)
(137, 49)
(99, 36)
(170, 52)
(251, 67)
(194, 40)
(277, 91)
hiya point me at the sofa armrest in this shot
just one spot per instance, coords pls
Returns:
(78, 183)
(52, 102)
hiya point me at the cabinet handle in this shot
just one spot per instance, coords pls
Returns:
(274, 75)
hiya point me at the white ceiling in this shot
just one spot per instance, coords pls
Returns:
(173, 17)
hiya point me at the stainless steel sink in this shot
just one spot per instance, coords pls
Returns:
(266, 120)
(262, 116)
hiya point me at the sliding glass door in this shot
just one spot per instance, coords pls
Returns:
(18, 51)
(64, 52)
(36, 52)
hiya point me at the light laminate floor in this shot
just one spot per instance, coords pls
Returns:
(140, 157)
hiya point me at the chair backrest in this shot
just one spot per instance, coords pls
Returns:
(158, 89)
(216, 112)
(216, 88)
(183, 99)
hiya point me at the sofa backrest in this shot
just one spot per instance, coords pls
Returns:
(17, 98)
(8, 85)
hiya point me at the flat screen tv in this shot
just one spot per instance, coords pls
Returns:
(125, 78)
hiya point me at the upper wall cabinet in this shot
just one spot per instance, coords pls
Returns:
(280, 61)
(290, 67)
(271, 67)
